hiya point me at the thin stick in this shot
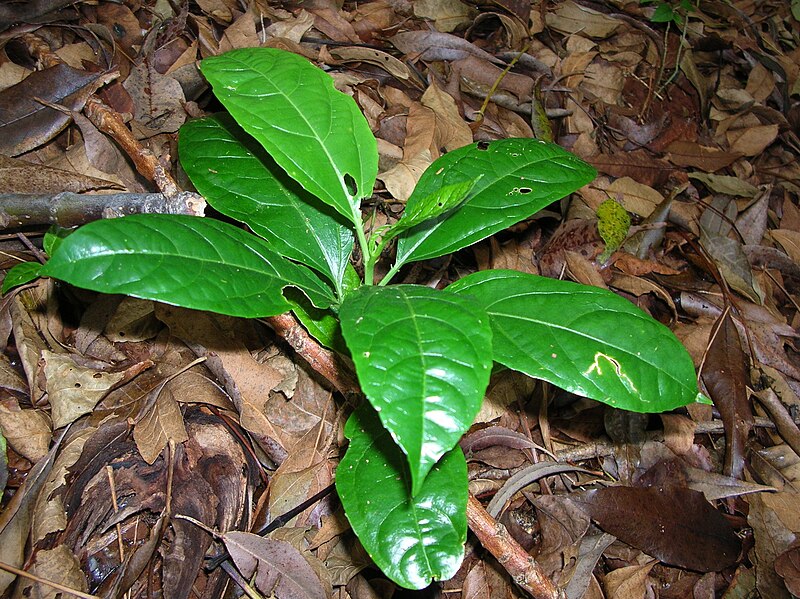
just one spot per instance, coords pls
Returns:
(524, 570)
(50, 583)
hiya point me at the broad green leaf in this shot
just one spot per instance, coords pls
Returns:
(21, 274)
(187, 261)
(520, 177)
(413, 540)
(423, 358)
(53, 238)
(322, 324)
(435, 204)
(242, 181)
(584, 339)
(313, 131)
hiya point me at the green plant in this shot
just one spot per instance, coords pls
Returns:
(293, 159)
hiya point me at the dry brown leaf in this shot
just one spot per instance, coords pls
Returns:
(486, 581)
(277, 566)
(219, 10)
(59, 565)
(292, 28)
(26, 123)
(628, 581)
(241, 33)
(571, 18)
(10, 378)
(635, 197)
(27, 431)
(752, 141)
(161, 423)
(789, 241)
(678, 433)
(447, 15)
(74, 390)
(158, 98)
(20, 176)
(133, 321)
(431, 46)
(582, 270)
(381, 59)
(451, 131)
(774, 518)
(605, 81)
(687, 153)
(49, 514)
(726, 185)
(29, 342)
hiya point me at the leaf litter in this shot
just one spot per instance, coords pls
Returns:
(112, 426)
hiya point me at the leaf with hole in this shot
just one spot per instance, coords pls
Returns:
(520, 177)
(583, 339)
(412, 539)
(313, 131)
(423, 358)
(238, 178)
(187, 261)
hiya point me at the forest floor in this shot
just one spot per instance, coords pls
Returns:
(689, 111)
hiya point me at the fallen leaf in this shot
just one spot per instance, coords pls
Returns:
(570, 18)
(279, 568)
(676, 525)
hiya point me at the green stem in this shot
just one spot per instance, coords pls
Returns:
(392, 272)
(369, 261)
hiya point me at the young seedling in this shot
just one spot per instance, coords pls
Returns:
(292, 159)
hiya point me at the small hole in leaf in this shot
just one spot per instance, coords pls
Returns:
(483, 145)
(77, 385)
(350, 183)
(525, 190)
(440, 204)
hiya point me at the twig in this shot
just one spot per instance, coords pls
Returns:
(323, 361)
(524, 570)
(71, 209)
(50, 583)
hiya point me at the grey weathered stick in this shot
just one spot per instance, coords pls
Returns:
(70, 209)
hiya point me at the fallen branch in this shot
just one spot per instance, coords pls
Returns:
(69, 209)
(524, 570)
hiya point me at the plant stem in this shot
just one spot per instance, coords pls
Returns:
(392, 272)
(369, 260)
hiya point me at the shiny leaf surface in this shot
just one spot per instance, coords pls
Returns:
(314, 132)
(584, 339)
(238, 178)
(423, 359)
(412, 539)
(183, 260)
(520, 177)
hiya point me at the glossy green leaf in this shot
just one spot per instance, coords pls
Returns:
(520, 177)
(423, 358)
(20, 274)
(584, 339)
(413, 540)
(322, 324)
(53, 238)
(435, 204)
(314, 132)
(186, 261)
(238, 178)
